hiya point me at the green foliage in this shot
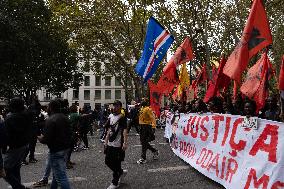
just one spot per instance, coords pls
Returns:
(113, 31)
(34, 50)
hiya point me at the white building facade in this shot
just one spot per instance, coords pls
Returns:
(95, 92)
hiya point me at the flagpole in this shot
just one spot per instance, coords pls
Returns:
(190, 82)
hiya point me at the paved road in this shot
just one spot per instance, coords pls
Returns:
(90, 172)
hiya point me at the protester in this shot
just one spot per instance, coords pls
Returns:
(47, 171)
(57, 136)
(249, 108)
(74, 123)
(228, 107)
(134, 118)
(3, 141)
(238, 105)
(34, 109)
(18, 125)
(272, 112)
(84, 126)
(116, 144)
(199, 106)
(103, 119)
(147, 123)
(215, 105)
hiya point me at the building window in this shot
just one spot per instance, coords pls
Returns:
(117, 94)
(98, 80)
(87, 81)
(117, 81)
(129, 82)
(107, 81)
(98, 94)
(86, 94)
(107, 94)
(75, 94)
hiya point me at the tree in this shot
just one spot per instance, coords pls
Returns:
(113, 31)
(34, 51)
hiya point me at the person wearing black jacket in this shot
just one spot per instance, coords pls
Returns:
(57, 136)
(18, 129)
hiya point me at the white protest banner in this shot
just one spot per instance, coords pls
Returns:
(220, 147)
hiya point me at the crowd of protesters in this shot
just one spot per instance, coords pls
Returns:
(65, 130)
(239, 106)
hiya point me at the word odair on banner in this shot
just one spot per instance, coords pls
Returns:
(229, 149)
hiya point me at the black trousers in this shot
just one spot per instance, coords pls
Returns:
(113, 161)
(32, 146)
(12, 164)
(136, 125)
(84, 136)
(73, 143)
(145, 132)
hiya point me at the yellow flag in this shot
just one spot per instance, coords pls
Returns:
(184, 79)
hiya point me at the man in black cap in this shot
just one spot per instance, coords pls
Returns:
(116, 144)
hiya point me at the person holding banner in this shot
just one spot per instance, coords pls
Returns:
(147, 123)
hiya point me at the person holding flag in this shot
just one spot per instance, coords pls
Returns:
(147, 124)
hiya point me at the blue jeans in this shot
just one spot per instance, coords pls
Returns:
(58, 167)
(47, 168)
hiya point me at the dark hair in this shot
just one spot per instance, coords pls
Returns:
(73, 108)
(54, 106)
(217, 103)
(17, 104)
(253, 107)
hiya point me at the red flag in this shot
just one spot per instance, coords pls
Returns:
(281, 76)
(262, 92)
(169, 78)
(254, 77)
(183, 54)
(175, 95)
(256, 84)
(202, 77)
(155, 97)
(256, 36)
(235, 90)
(219, 81)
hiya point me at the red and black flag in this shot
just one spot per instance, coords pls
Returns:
(257, 80)
(219, 81)
(169, 78)
(256, 36)
(201, 77)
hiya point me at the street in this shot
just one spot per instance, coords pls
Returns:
(90, 172)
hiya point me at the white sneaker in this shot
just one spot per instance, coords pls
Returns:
(156, 155)
(122, 176)
(112, 186)
(141, 161)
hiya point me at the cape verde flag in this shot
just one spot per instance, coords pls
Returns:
(157, 42)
